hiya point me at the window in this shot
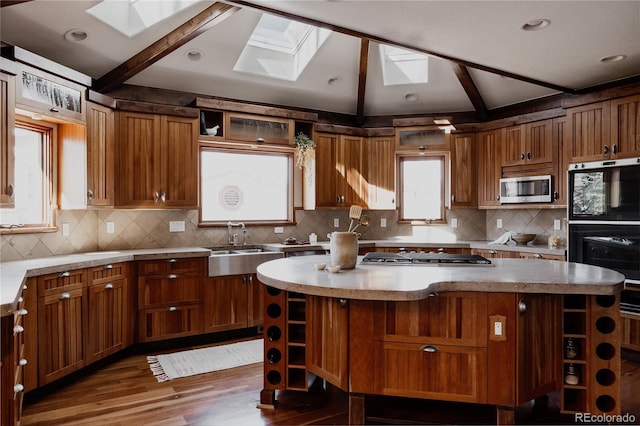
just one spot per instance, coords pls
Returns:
(33, 177)
(423, 187)
(246, 186)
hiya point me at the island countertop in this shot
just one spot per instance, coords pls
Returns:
(414, 282)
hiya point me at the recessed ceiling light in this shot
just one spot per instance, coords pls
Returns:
(613, 58)
(334, 80)
(536, 24)
(194, 55)
(411, 97)
(76, 35)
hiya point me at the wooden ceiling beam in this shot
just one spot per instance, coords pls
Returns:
(5, 3)
(471, 89)
(186, 32)
(362, 79)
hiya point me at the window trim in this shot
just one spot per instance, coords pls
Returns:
(444, 189)
(237, 148)
(50, 159)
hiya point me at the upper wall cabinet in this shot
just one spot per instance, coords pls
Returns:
(100, 155)
(625, 127)
(40, 92)
(157, 160)
(489, 167)
(257, 129)
(380, 172)
(7, 140)
(421, 138)
(464, 191)
(530, 143)
(588, 132)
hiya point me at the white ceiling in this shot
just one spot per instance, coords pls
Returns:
(486, 33)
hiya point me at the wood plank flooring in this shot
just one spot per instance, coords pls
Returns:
(124, 392)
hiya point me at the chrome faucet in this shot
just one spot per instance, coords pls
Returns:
(234, 239)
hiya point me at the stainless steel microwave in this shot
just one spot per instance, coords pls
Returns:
(526, 189)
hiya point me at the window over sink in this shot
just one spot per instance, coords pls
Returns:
(246, 186)
(422, 183)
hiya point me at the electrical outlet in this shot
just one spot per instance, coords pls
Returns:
(176, 226)
(111, 227)
(556, 225)
(278, 230)
(65, 229)
(497, 328)
(454, 222)
(336, 222)
(383, 222)
(499, 223)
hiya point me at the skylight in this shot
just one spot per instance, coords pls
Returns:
(131, 17)
(280, 48)
(401, 66)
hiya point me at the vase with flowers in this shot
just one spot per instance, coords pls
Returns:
(305, 150)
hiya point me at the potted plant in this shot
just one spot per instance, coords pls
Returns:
(305, 150)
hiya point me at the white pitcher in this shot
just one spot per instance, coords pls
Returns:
(343, 247)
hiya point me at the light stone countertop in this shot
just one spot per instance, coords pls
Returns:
(13, 274)
(414, 282)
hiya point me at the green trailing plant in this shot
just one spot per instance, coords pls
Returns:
(305, 150)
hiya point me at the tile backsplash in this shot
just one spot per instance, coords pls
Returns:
(151, 228)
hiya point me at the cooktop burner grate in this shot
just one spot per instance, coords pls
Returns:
(424, 258)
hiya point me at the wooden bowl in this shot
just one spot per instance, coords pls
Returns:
(522, 239)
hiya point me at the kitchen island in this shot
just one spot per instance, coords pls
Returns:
(485, 334)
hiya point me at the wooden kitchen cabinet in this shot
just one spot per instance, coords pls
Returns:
(7, 140)
(588, 133)
(100, 156)
(62, 318)
(530, 143)
(157, 158)
(170, 297)
(328, 341)
(421, 138)
(258, 129)
(527, 255)
(464, 190)
(111, 317)
(489, 167)
(625, 127)
(494, 254)
(339, 171)
(233, 302)
(561, 165)
(381, 175)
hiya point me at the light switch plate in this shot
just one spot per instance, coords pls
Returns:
(278, 230)
(499, 223)
(336, 222)
(556, 224)
(454, 223)
(176, 226)
(383, 222)
(111, 227)
(65, 229)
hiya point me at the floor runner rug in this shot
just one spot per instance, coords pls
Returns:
(199, 361)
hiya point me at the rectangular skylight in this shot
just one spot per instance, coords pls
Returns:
(402, 66)
(131, 17)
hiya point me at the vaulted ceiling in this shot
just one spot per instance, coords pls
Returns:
(480, 57)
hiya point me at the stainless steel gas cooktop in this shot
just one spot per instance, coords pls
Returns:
(424, 259)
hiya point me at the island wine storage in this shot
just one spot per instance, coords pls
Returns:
(591, 360)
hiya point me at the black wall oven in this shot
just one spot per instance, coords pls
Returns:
(604, 221)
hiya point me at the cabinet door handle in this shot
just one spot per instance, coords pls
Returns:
(19, 387)
(343, 303)
(433, 294)
(522, 155)
(163, 197)
(492, 252)
(18, 329)
(605, 150)
(65, 296)
(556, 195)
(614, 148)
(172, 260)
(172, 276)
(10, 190)
(64, 274)
(528, 156)
(172, 309)
(54, 109)
(522, 306)
(23, 312)
(429, 348)
(22, 362)
(538, 256)
(250, 279)
(108, 286)
(89, 194)
(453, 198)
(156, 196)
(108, 266)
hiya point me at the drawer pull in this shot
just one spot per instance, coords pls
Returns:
(18, 388)
(108, 266)
(429, 348)
(172, 309)
(22, 362)
(108, 286)
(538, 256)
(18, 329)
(20, 299)
(343, 303)
(64, 274)
(172, 276)
(172, 260)
(522, 306)
(65, 296)
(434, 294)
(23, 312)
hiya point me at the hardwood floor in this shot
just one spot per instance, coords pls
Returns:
(124, 392)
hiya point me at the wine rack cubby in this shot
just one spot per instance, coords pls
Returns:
(591, 360)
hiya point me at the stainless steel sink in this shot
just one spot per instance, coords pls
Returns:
(239, 261)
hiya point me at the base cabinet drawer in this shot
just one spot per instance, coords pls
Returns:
(170, 322)
(449, 373)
